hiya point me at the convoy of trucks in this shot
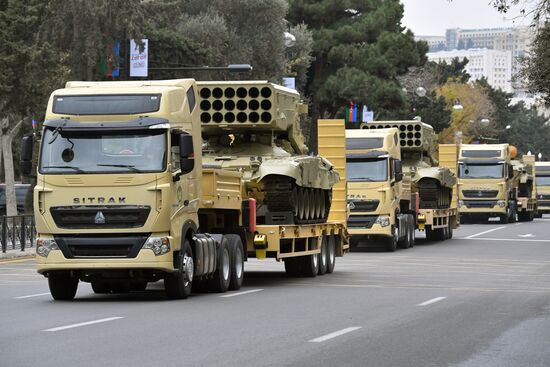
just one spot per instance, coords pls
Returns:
(122, 197)
(395, 185)
(492, 183)
(183, 181)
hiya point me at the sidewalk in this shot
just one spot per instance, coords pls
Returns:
(11, 254)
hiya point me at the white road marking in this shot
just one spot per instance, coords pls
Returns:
(433, 300)
(526, 235)
(83, 324)
(32, 295)
(241, 293)
(334, 334)
(480, 233)
(507, 239)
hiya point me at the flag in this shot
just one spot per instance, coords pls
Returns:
(354, 114)
(350, 113)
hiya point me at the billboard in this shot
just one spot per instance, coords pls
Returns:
(138, 58)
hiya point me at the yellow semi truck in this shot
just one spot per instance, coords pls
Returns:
(542, 180)
(394, 187)
(491, 183)
(122, 197)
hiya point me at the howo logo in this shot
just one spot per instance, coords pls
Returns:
(99, 200)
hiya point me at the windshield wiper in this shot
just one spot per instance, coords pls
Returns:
(69, 167)
(129, 166)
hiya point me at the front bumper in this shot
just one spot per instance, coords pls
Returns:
(481, 207)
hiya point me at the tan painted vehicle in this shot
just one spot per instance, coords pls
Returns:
(395, 185)
(492, 184)
(122, 198)
(542, 180)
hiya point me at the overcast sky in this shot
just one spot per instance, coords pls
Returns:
(432, 17)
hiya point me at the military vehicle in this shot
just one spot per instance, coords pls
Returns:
(542, 181)
(122, 198)
(395, 185)
(493, 184)
(254, 127)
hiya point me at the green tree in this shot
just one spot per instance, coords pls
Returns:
(360, 49)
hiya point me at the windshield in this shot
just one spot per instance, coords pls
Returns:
(490, 170)
(103, 152)
(543, 180)
(369, 170)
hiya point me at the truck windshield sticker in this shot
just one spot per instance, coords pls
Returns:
(481, 153)
(128, 104)
(364, 143)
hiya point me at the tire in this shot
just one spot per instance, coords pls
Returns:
(237, 261)
(179, 286)
(391, 242)
(323, 256)
(120, 287)
(504, 218)
(293, 267)
(100, 287)
(437, 234)
(222, 276)
(138, 286)
(331, 253)
(450, 231)
(405, 242)
(413, 234)
(62, 286)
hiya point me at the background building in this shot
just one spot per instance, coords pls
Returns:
(494, 65)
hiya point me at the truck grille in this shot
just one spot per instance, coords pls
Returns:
(480, 203)
(113, 245)
(83, 217)
(363, 205)
(480, 193)
(361, 221)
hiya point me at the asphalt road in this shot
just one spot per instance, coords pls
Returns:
(481, 299)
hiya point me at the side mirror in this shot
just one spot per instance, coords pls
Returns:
(187, 155)
(398, 171)
(25, 164)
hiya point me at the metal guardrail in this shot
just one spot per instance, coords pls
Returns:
(17, 232)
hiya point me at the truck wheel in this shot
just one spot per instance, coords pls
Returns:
(391, 242)
(179, 286)
(100, 287)
(62, 286)
(222, 276)
(404, 243)
(505, 218)
(331, 253)
(450, 230)
(323, 256)
(310, 265)
(412, 228)
(237, 261)
(293, 266)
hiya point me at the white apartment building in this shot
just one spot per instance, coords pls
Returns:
(494, 65)
(435, 43)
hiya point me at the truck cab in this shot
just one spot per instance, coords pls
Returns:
(376, 194)
(485, 182)
(542, 181)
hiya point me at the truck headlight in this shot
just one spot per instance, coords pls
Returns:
(460, 203)
(384, 221)
(501, 203)
(159, 245)
(44, 246)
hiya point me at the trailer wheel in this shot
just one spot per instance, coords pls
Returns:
(179, 286)
(450, 230)
(237, 261)
(222, 276)
(331, 252)
(437, 234)
(62, 286)
(323, 256)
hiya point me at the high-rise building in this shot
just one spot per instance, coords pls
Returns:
(494, 65)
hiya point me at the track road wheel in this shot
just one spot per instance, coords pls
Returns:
(222, 276)
(62, 286)
(179, 286)
(331, 253)
(237, 261)
(323, 256)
